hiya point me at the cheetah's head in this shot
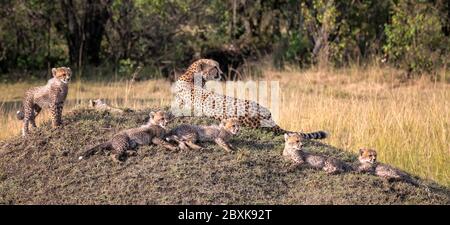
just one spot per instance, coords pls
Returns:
(160, 118)
(293, 141)
(62, 73)
(231, 125)
(209, 69)
(367, 156)
(95, 103)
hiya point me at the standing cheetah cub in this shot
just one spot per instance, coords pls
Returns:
(123, 143)
(293, 152)
(51, 96)
(368, 164)
(187, 135)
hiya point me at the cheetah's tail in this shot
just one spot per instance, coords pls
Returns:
(414, 182)
(20, 115)
(92, 150)
(314, 135)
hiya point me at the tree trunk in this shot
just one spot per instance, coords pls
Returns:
(84, 26)
(96, 16)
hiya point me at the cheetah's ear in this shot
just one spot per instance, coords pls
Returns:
(91, 103)
(152, 114)
(222, 123)
(286, 136)
(54, 72)
(170, 115)
(361, 151)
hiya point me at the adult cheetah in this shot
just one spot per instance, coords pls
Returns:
(192, 98)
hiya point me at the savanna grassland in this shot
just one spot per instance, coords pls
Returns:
(45, 169)
(407, 122)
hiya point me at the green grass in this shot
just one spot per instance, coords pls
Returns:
(43, 169)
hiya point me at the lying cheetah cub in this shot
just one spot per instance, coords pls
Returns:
(187, 135)
(100, 105)
(368, 164)
(293, 152)
(50, 96)
(123, 143)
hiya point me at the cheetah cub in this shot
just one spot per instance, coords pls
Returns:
(100, 105)
(124, 143)
(51, 96)
(293, 152)
(187, 135)
(368, 164)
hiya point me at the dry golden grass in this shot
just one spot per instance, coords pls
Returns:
(408, 123)
(135, 95)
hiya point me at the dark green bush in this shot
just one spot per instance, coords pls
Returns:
(415, 41)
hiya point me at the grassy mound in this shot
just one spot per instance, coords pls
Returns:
(44, 169)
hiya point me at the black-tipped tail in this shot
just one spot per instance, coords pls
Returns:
(20, 115)
(315, 135)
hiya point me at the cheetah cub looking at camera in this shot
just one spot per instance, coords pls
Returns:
(368, 164)
(293, 152)
(187, 135)
(51, 96)
(124, 143)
